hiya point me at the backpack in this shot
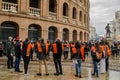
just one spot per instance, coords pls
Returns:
(1, 46)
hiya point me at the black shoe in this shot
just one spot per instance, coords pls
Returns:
(97, 76)
(39, 74)
(18, 71)
(47, 74)
(56, 74)
(61, 73)
(76, 75)
(93, 74)
(80, 76)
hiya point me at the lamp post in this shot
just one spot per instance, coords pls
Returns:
(114, 33)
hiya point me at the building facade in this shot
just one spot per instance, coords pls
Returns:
(49, 19)
(93, 35)
(115, 27)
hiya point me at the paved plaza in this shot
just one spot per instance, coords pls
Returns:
(68, 71)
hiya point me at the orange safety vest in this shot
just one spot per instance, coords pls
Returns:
(29, 47)
(93, 48)
(74, 50)
(99, 55)
(82, 51)
(32, 45)
(102, 47)
(62, 46)
(54, 48)
(47, 47)
(108, 50)
(39, 47)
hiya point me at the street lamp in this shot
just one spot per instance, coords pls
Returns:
(114, 33)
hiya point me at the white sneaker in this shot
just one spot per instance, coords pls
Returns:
(27, 74)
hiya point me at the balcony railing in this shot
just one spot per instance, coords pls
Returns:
(80, 23)
(34, 11)
(74, 21)
(65, 18)
(12, 7)
(52, 16)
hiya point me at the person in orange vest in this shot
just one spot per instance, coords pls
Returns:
(107, 54)
(47, 50)
(102, 62)
(66, 50)
(32, 50)
(96, 53)
(41, 51)
(26, 54)
(80, 58)
(57, 53)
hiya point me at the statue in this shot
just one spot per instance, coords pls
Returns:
(107, 28)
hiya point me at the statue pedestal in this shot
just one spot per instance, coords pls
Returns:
(109, 40)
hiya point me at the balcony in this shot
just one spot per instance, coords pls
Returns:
(34, 11)
(52, 16)
(12, 7)
(65, 18)
(74, 21)
(80, 23)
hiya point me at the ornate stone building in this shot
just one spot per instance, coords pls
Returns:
(115, 27)
(49, 19)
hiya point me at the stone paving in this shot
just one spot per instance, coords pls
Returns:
(68, 71)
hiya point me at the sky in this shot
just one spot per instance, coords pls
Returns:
(102, 12)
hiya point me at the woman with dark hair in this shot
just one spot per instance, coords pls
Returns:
(96, 53)
(107, 54)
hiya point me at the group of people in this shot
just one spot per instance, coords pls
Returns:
(100, 52)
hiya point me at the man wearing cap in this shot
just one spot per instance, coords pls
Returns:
(10, 51)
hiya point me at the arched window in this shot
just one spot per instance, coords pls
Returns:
(65, 9)
(74, 13)
(85, 37)
(34, 31)
(81, 36)
(80, 16)
(11, 1)
(35, 3)
(65, 34)
(84, 18)
(52, 34)
(74, 36)
(8, 29)
(85, 3)
(53, 6)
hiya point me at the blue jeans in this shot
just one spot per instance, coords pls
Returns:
(78, 67)
(107, 63)
(17, 63)
(95, 68)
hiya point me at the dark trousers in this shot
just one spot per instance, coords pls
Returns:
(58, 66)
(31, 55)
(1, 53)
(95, 68)
(26, 63)
(65, 54)
(10, 62)
(17, 63)
(107, 63)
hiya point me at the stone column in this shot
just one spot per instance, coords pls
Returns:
(24, 30)
(59, 10)
(44, 33)
(0, 5)
(45, 9)
(70, 12)
(24, 6)
(60, 31)
(70, 36)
